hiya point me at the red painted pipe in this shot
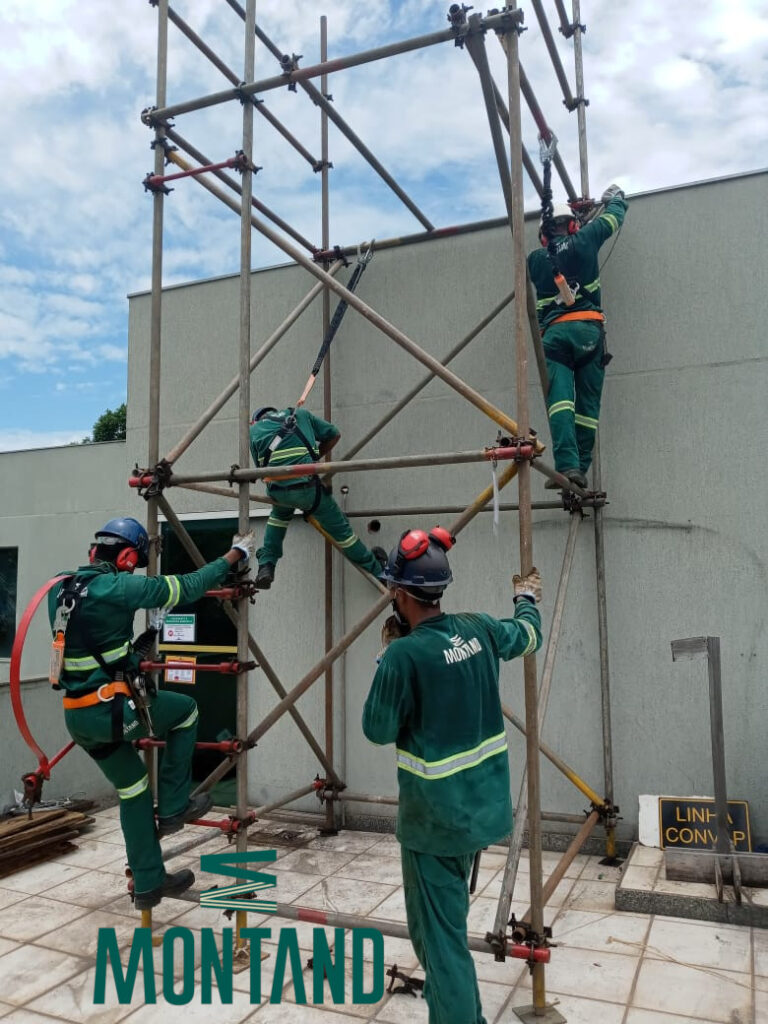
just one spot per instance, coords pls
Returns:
(230, 668)
(142, 480)
(223, 746)
(153, 180)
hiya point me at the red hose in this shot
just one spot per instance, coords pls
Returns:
(15, 681)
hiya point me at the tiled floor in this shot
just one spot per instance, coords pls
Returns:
(607, 968)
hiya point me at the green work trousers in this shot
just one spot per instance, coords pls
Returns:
(574, 352)
(436, 905)
(174, 719)
(328, 515)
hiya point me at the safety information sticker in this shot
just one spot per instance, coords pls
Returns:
(179, 629)
(177, 674)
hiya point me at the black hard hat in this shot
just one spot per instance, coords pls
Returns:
(419, 561)
(262, 412)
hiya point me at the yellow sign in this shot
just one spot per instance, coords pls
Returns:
(692, 824)
(181, 675)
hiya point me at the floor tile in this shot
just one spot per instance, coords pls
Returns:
(313, 862)
(403, 1009)
(305, 931)
(702, 993)
(24, 1016)
(393, 907)
(6, 945)
(289, 1013)
(290, 886)
(507, 973)
(672, 888)
(91, 853)
(551, 858)
(492, 998)
(575, 1009)
(242, 979)
(5, 1009)
(8, 897)
(760, 939)
(29, 971)
(167, 910)
(761, 1007)
(92, 889)
(591, 896)
(34, 916)
(210, 917)
(346, 895)
(364, 1010)
(73, 999)
(195, 1011)
(346, 842)
(484, 877)
(704, 944)
(594, 871)
(83, 934)
(370, 867)
(573, 971)
(41, 877)
(642, 878)
(611, 932)
(636, 1016)
(646, 856)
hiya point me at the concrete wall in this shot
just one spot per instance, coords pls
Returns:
(683, 432)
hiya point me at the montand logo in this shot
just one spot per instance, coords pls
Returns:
(461, 649)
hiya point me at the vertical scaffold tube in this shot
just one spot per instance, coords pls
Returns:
(330, 807)
(156, 309)
(244, 507)
(524, 516)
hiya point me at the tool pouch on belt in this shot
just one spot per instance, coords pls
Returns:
(607, 356)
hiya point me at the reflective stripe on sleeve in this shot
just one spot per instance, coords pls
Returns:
(348, 542)
(285, 454)
(531, 638)
(280, 524)
(592, 286)
(586, 421)
(128, 792)
(451, 765)
(564, 406)
(89, 663)
(174, 591)
(188, 721)
(541, 303)
(609, 217)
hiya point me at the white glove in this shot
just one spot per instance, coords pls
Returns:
(528, 586)
(612, 192)
(246, 543)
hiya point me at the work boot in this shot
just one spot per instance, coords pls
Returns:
(264, 576)
(174, 884)
(553, 485)
(577, 477)
(380, 555)
(196, 808)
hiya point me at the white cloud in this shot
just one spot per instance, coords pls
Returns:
(19, 440)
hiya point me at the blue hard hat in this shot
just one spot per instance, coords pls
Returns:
(419, 561)
(262, 412)
(126, 530)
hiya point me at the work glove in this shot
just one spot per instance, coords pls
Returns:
(528, 586)
(245, 542)
(612, 192)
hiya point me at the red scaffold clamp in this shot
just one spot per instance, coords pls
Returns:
(33, 781)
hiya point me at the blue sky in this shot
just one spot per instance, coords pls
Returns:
(672, 99)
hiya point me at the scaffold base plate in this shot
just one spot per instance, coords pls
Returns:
(529, 1015)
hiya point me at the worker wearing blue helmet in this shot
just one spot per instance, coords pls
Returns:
(91, 612)
(435, 695)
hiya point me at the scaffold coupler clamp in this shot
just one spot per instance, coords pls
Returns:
(609, 813)
(33, 789)
(410, 986)
(151, 483)
(153, 185)
(457, 19)
(523, 934)
(327, 791)
(511, 20)
(243, 164)
(288, 64)
(365, 257)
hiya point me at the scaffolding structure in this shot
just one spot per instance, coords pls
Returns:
(519, 448)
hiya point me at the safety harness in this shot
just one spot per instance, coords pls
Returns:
(124, 684)
(288, 427)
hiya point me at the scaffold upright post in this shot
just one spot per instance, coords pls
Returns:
(524, 516)
(328, 554)
(156, 310)
(244, 417)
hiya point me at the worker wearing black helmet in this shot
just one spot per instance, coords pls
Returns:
(296, 437)
(436, 696)
(95, 663)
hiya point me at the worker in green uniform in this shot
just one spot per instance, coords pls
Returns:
(92, 611)
(295, 437)
(574, 335)
(436, 696)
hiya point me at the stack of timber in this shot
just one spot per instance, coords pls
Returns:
(25, 841)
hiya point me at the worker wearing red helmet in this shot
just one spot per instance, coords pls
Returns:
(571, 320)
(436, 696)
(92, 611)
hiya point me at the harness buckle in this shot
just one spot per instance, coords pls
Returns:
(547, 148)
(104, 700)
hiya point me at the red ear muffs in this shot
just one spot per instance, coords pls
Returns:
(127, 560)
(413, 544)
(573, 227)
(544, 240)
(441, 536)
(92, 554)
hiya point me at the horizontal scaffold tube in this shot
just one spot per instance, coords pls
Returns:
(503, 21)
(505, 454)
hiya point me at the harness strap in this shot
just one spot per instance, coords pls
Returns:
(104, 694)
(586, 314)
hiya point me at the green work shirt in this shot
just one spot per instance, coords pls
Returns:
(291, 450)
(436, 696)
(108, 610)
(577, 259)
